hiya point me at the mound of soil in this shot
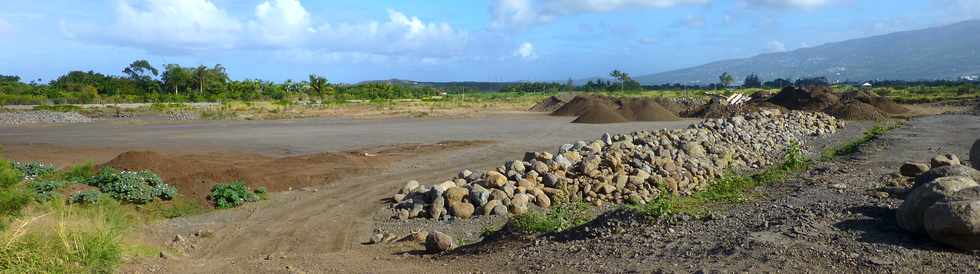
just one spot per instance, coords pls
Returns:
(602, 110)
(855, 110)
(548, 105)
(646, 110)
(881, 103)
(815, 98)
(600, 114)
(578, 106)
(195, 174)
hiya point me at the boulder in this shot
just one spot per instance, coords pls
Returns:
(438, 242)
(519, 204)
(549, 180)
(946, 171)
(465, 174)
(438, 208)
(942, 160)
(540, 198)
(409, 187)
(487, 209)
(500, 210)
(910, 214)
(462, 210)
(496, 179)
(955, 221)
(455, 194)
(516, 166)
(479, 196)
(912, 169)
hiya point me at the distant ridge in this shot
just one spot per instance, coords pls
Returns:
(946, 52)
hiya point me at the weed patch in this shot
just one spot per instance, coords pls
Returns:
(557, 219)
(853, 146)
(232, 195)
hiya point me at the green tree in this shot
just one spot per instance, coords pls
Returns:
(143, 74)
(621, 76)
(726, 79)
(318, 84)
(752, 81)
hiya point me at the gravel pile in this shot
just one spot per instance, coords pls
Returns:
(182, 116)
(41, 117)
(629, 168)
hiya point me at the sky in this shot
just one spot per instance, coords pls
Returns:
(436, 40)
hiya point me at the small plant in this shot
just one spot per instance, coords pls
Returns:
(34, 169)
(557, 219)
(137, 187)
(45, 190)
(12, 200)
(78, 173)
(232, 195)
(85, 197)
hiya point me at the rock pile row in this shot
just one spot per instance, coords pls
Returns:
(629, 168)
(944, 202)
(41, 117)
(182, 116)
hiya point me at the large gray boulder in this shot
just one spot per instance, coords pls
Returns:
(910, 213)
(955, 221)
(942, 160)
(946, 171)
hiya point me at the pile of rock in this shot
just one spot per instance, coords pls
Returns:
(182, 116)
(629, 168)
(41, 117)
(944, 202)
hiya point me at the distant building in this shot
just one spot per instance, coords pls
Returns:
(970, 78)
(866, 85)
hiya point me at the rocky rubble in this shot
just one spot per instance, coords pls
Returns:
(630, 168)
(41, 117)
(944, 203)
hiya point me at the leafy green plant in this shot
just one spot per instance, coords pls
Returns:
(232, 195)
(138, 187)
(45, 190)
(555, 220)
(34, 169)
(78, 173)
(85, 197)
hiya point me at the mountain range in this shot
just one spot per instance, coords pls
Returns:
(946, 52)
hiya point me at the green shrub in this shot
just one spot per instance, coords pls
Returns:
(44, 190)
(85, 197)
(232, 195)
(138, 187)
(555, 220)
(34, 169)
(9, 176)
(12, 200)
(78, 173)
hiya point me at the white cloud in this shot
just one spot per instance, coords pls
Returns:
(176, 24)
(805, 4)
(775, 46)
(526, 51)
(281, 22)
(529, 12)
(199, 26)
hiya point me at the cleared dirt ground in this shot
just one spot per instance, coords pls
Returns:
(314, 229)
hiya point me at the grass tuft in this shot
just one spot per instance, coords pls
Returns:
(557, 219)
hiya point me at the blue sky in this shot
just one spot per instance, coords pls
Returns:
(436, 40)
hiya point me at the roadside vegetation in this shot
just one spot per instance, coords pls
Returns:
(77, 220)
(852, 146)
(234, 194)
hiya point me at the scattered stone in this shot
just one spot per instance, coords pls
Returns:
(18, 118)
(462, 210)
(438, 242)
(912, 169)
(942, 160)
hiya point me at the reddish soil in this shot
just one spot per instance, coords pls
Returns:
(195, 174)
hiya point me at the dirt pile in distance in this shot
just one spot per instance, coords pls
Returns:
(813, 98)
(883, 104)
(600, 110)
(548, 105)
(600, 114)
(855, 110)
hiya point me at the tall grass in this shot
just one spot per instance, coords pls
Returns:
(58, 237)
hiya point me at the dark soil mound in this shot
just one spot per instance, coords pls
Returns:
(646, 110)
(578, 106)
(600, 114)
(884, 104)
(815, 98)
(855, 110)
(548, 105)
